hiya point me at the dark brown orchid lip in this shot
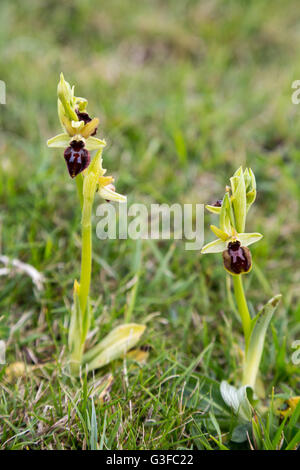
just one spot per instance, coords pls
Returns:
(77, 144)
(85, 118)
(237, 258)
(77, 157)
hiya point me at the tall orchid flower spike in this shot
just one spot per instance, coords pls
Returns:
(78, 141)
(233, 241)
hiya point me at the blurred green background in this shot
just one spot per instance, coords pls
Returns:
(186, 91)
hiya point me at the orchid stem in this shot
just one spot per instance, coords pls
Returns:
(85, 276)
(86, 254)
(79, 184)
(242, 307)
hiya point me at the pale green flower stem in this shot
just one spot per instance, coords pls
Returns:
(242, 306)
(86, 253)
(249, 372)
(85, 275)
(79, 184)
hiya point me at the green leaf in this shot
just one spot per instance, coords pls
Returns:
(240, 432)
(237, 400)
(114, 345)
(203, 394)
(257, 338)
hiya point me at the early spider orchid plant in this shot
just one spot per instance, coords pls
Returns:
(233, 242)
(78, 141)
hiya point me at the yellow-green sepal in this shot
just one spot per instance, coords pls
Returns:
(247, 239)
(216, 246)
(93, 143)
(213, 209)
(59, 141)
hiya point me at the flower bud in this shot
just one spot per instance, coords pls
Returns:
(237, 258)
(239, 199)
(66, 97)
(250, 187)
(77, 157)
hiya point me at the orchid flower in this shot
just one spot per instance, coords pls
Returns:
(79, 129)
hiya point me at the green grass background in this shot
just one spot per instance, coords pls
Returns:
(186, 92)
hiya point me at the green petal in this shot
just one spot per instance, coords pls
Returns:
(217, 246)
(247, 239)
(59, 141)
(93, 143)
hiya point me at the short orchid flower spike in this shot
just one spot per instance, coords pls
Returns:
(232, 240)
(79, 129)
